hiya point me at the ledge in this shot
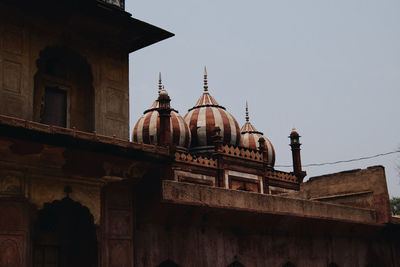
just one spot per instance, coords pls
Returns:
(342, 195)
(53, 135)
(219, 198)
(99, 19)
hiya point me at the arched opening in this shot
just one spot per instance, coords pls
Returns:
(64, 94)
(288, 264)
(235, 264)
(168, 263)
(64, 235)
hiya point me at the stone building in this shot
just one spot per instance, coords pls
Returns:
(197, 190)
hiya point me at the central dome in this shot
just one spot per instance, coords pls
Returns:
(205, 116)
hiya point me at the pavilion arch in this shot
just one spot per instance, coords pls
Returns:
(168, 263)
(63, 89)
(64, 235)
(288, 264)
(236, 264)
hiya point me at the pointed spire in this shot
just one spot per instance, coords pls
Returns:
(247, 112)
(205, 80)
(160, 86)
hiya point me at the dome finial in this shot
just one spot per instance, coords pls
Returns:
(160, 86)
(205, 80)
(247, 112)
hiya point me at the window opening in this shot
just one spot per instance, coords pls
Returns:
(55, 107)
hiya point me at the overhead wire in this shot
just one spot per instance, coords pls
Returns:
(342, 161)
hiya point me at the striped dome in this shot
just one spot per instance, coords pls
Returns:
(147, 128)
(249, 139)
(205, 116)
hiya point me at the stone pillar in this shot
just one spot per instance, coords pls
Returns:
(117, 224)
(261, 149)
(217, 139)
(295, 145)
(165, 118)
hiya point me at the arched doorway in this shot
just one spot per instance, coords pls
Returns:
(64, 236)
(235, 264)
(168, 263)
(64, 93)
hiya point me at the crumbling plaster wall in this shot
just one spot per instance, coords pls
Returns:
(364, 188)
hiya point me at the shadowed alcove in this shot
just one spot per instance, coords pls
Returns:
(168, 263)
(64, 94)
(64, 235)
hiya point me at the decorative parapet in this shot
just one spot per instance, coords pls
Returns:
(94, 137)
(199, 161)
(241, 152)
(283, 176)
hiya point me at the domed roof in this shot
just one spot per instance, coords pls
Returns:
(205, 116)
(147, 128)
(250, 137)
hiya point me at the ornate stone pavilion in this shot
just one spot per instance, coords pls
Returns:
(192, 190)
(211, 149)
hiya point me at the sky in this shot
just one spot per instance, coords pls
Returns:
(331, 69)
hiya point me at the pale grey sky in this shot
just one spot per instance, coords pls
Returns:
(329, 68)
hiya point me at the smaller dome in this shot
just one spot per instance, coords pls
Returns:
(250, 139)
(147, 128)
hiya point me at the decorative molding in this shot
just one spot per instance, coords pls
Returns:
(10, 253)
(11, 182)
(241, 152)
(12, 76)
(282, 176)
(199, 161)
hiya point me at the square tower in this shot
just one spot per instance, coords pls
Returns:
(65, 62)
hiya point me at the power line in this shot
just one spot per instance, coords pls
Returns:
(341, 161)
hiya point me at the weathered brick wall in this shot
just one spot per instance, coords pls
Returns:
(196, 225)
(198, 240)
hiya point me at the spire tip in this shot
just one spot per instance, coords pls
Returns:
(205, 80)
(160, 86)
(247, 112)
